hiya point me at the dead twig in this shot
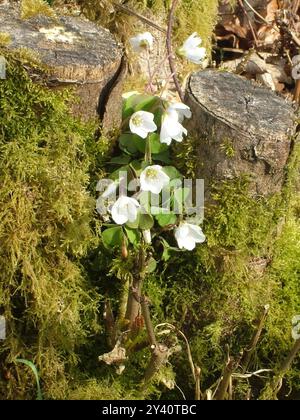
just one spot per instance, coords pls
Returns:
(133, 304)
(131, 12)
(226, 379)
(196, 371)
(296, 97)
(109, 323)
(248, 352)
(295, 6)
(249, 22)
(285, 366)
(256, 13)
(159, 351)
(197, 384)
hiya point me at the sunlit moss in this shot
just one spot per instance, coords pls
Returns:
(5, 39)
(45, 229)
(31, 8)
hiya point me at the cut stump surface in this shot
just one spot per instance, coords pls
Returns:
(242, 129)
(78, 53)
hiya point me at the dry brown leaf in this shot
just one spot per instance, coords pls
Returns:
(117, 355)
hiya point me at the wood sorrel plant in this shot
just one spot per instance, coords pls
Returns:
(143, 199)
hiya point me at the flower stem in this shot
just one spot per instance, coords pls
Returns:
(148, 152)
(169, 49)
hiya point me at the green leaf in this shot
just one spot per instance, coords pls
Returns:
(172, 172)
(120, 160)
(158, 116)
(137, 165)
(134, 236)
(128, 143)
(128, 106)
(167, 250)
(180, 195)
(135, 224)
(116, 174)
(36, 375)
(146, 221)
(162, 157)
(151, 266)
(112, 237)
(166, 255)
(166, 219)
(139, 103)
(148, 103)
(156, 145)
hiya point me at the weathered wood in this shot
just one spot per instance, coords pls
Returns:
(243, 129)
(78, 53)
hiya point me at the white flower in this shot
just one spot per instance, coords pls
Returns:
(111, 189)
(171, 127)
(187, 235)
(125, 209)
(182, 110)
(141, 123)
(154, 179)
(141, 42)
(147, 236)
(296, 327)
(191, 50)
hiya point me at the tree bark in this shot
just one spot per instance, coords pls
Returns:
(77, 54)
(242, 129)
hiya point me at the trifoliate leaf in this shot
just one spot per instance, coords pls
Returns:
(113, 236)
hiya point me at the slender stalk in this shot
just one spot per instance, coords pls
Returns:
(131, 12)
(148, 323)
(197, 384)
(285, 366)
(148, 151)
(122, 309)
(297, 92)
(158, 359)
(249, 22)
(248, 352)
(109, 323)
(225, 382)
(169, 49)
(256, 13)
(133, 304)
(196, 371)
(159, 351)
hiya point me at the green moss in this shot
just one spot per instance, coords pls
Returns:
(46, 218)
(5, 39)
(191, 16)
(228, 148)
(251, 259)
(32, 8)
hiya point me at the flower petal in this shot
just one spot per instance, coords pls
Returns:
(124, 209)
(153, 179)
(196, 55)
(181, 109)
(193, 41)
(196, 233)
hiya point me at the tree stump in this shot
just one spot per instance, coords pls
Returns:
(242, 128)
(78, 54)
